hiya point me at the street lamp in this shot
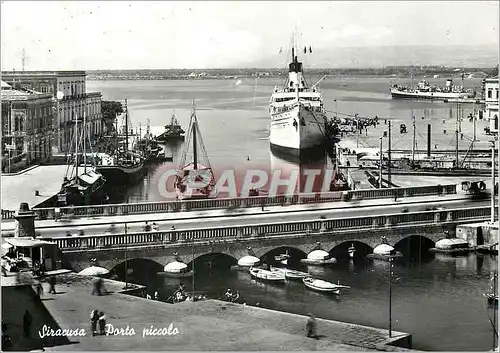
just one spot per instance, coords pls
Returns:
(390, 295)
(335, 108)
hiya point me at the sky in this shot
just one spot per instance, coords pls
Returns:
(168, 34)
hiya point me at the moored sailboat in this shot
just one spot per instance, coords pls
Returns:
(195, 180)
(81, 188)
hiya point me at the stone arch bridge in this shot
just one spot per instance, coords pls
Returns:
(162, 253)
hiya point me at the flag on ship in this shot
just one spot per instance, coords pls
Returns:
(281, 50)
(305, 50)
(310, 49)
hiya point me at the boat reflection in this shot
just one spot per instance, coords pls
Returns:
(304, 168)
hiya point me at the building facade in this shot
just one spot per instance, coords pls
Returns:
(491, 101)
(73, 101)
(27, 126)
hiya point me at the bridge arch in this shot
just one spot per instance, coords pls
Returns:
(213, 260)
(340, 250)
(138, 269)
(415, 247)
(296, 254)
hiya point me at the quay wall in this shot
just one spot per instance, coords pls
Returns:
(228, 203)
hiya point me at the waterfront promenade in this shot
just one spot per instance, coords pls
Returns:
(203, 325)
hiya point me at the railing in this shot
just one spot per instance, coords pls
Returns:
(256, 201)
(110, 241)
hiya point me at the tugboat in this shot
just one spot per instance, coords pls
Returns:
(194, 172)
(173, 131)
(85, 188)
(124, 166)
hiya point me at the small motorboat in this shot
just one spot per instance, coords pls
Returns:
(322, 286)
(351, 251)
(273, 276)
(290, 274)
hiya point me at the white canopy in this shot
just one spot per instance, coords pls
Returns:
(93, 271)
(318, 255)
(248, 261)
(452, 243)
(175, 267)
(23, 242)
(383, 249)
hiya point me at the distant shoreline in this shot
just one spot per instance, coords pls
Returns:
(231, 74)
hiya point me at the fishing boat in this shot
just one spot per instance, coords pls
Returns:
(195, 180)
(267, 275)
(85, 188)
(290, 274)
(173, 131)
(123, 166)
(323, 286)
(149, 147)
(297, 114)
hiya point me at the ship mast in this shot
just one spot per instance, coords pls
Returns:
(76, 148)
(84, 147)
(195, 154)
(126, 126)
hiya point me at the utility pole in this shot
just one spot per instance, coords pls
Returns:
(380, 166)
(389, 155)
(413, 144)
(390, 296)
(126, 260)
(456, 143)
(493, 181)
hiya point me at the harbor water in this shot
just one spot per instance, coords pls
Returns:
(438, 300)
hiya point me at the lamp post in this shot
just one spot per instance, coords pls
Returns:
(126, 260)
(493, 181)
(335, 108)
(390, 296)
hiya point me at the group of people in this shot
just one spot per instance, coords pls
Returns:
(149, 227)
(97, 318)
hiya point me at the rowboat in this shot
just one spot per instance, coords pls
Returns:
(290, 274)
(273, 276)
(322, 286)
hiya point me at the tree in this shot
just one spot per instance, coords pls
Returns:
(109, 110)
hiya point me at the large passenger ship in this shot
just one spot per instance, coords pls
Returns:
(297, 114)
(425, 91)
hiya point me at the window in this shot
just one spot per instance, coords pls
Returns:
(490, 93)
(496, 91)
(44, 89)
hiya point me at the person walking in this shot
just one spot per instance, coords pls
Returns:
(102, 323)
(39, 288)
(94, 317)
(157, 295)
(311, 327)
(27, 320)
(52, 283)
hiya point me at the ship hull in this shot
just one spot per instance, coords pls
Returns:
(297, 132)
(396, 94)
(117, 174)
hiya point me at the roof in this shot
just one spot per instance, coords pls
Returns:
(21, 94)
(27, 242)
(5, 85)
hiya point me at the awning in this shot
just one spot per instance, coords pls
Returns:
(27, 243)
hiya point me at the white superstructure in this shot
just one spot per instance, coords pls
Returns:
(297, 114)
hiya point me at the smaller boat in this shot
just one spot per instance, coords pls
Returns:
(267, 275)
(351, 251)
(282, 257)
(173, 132)
(320, 285)
(290, 274)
